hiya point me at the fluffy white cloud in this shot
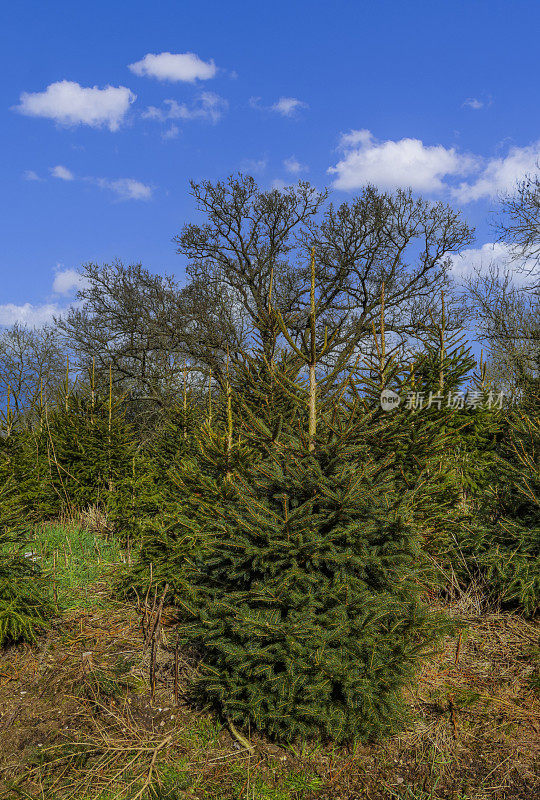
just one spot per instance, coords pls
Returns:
(392, 164)
(294, 166)
(63, 173)
(478, 260)
(125, 188)
(411, 163)
(68, 103)
(209, 106)
(187, 67)
(474, 259)
(288, 106)
(30, 175)
(27, 313)
(501, 174)
(66, 281)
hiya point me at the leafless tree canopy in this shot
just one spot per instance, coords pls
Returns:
(507, 318)
(519, 223)
(247, 259)
(248, 247)
(253, 251)
(506, 310)
(32, 365)
(126, 320)
(384, 241)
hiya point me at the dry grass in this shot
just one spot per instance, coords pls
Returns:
(94, 519)
(78, 723)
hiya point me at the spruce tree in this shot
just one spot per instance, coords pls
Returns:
(25, 598)
(306, 607)
(500, 545)
(307, 611)
(196, 485)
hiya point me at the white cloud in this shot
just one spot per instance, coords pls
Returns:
(68, 103)
(27, 313)
(392, 164)
(209, 106)
(278, 183)
(125, 188)
(253, 165)
(501, 174)
(187, 67)
(473, 259)
(30, 175)
(478, 260)
(66, 281)
(171, 133)
(474, 103)
(288, 106)
(293, 166)
(61, 172)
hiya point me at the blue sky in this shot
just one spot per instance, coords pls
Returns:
(109, 108)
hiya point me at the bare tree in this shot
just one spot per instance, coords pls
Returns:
(505, 300)
(243, 258)
(252, 254)
(32, 365)
(249, 258)
(507, 318)
(386, 248)
(519, 222)
(126, 320)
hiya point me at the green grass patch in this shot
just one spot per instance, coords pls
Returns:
(75, 558)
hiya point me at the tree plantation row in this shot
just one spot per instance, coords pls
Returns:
(230, 434)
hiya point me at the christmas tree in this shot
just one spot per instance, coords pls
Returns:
(25, 601)
(306, 607)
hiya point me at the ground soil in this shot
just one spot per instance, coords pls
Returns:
(78, 720)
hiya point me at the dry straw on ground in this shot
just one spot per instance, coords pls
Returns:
(78, 720)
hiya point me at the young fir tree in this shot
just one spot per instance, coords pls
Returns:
(443, 435)
(500, 545)
(76, 451)
(28, 451)
(306, 608)
(91, 449)
(25, 598)
(173, 441)
(197, 480)
(268, 398)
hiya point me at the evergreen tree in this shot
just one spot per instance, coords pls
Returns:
(91, 449)
(500, 546)
(307, 609)
(25, 601)
(171, 539)
(306, 605)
